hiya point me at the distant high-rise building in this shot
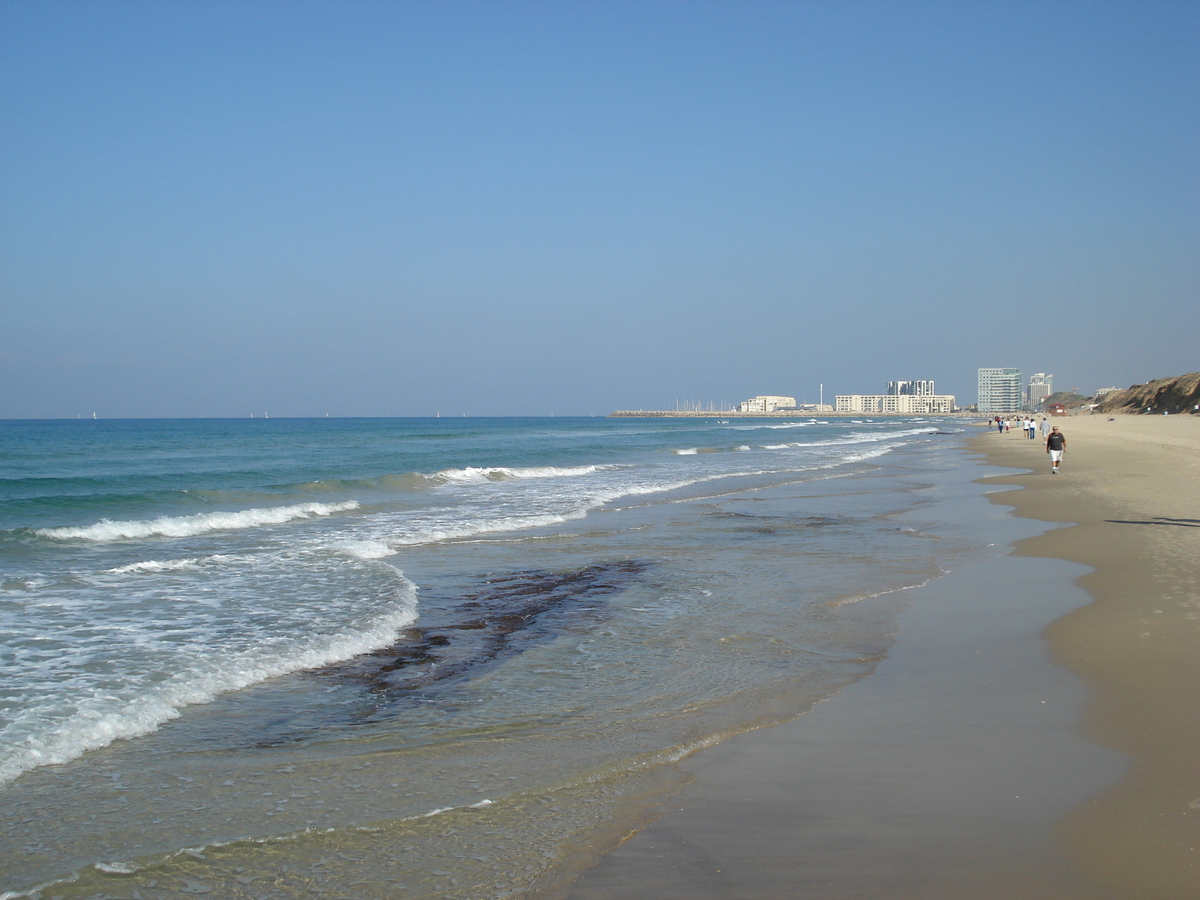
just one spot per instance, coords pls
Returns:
(910, 388)
(1000, 390)
(1040, 387)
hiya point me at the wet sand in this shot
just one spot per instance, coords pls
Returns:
(1024, 738)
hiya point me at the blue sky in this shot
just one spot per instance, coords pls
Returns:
(370, 208)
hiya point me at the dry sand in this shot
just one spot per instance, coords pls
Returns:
(960, 768)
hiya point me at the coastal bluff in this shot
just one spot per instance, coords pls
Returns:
(1179, 394)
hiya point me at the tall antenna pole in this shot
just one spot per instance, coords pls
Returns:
(822, 403)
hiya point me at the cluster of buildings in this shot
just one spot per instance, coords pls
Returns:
(917, 398)
(1001, 390)
(767, 403)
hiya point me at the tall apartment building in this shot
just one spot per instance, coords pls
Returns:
(1000, 390)
(1040, 387)
(913, 388)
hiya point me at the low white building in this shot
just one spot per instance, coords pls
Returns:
(902, 404)
(766, 404)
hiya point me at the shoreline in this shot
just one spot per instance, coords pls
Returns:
(779, 414)
(900, 785)
(1130, 486)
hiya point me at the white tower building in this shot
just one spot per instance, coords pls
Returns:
(1000, 390)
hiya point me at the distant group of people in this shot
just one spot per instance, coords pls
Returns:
(1055, 440)
(1029, 426)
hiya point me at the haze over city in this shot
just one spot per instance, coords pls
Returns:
(225, 209)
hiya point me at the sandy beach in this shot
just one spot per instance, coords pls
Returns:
(1031, 734)
(1132, 484)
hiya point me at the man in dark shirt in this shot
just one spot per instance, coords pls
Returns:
(1056, 443)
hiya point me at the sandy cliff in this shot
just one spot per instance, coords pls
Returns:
(1179, 394)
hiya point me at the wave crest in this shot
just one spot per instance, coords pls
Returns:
(155, 565)
(481, 474)
(188, 526)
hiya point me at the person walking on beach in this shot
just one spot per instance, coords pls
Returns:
(1031, 427)
(1056, 443)
(1045, 428)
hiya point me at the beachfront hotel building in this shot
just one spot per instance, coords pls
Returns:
(1000, 390)
(766, 404)
(902, 404)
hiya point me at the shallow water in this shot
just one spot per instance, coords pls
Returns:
(449, 658)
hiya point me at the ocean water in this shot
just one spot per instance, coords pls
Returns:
(438, 657)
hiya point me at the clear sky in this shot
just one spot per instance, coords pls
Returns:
(515, 208)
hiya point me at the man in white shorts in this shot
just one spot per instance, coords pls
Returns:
(1056, 443)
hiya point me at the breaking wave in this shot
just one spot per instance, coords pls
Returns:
(105, 717)
(155, 565)
(188, 526)
(480, 474)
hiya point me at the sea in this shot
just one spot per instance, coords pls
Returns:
(423, 657)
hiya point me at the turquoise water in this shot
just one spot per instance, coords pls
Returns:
(260, 641)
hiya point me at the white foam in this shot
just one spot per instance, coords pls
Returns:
(774, 426)
(187, 526)
(436, 534)
(554, 472)
(155, 565)
(858, 437)
(567, 504)
(366, 549)
(564, 507)
(116, 868)
(103, 718)
(480, 474)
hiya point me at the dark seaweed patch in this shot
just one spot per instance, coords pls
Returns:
(754, 523)
(506, 615)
